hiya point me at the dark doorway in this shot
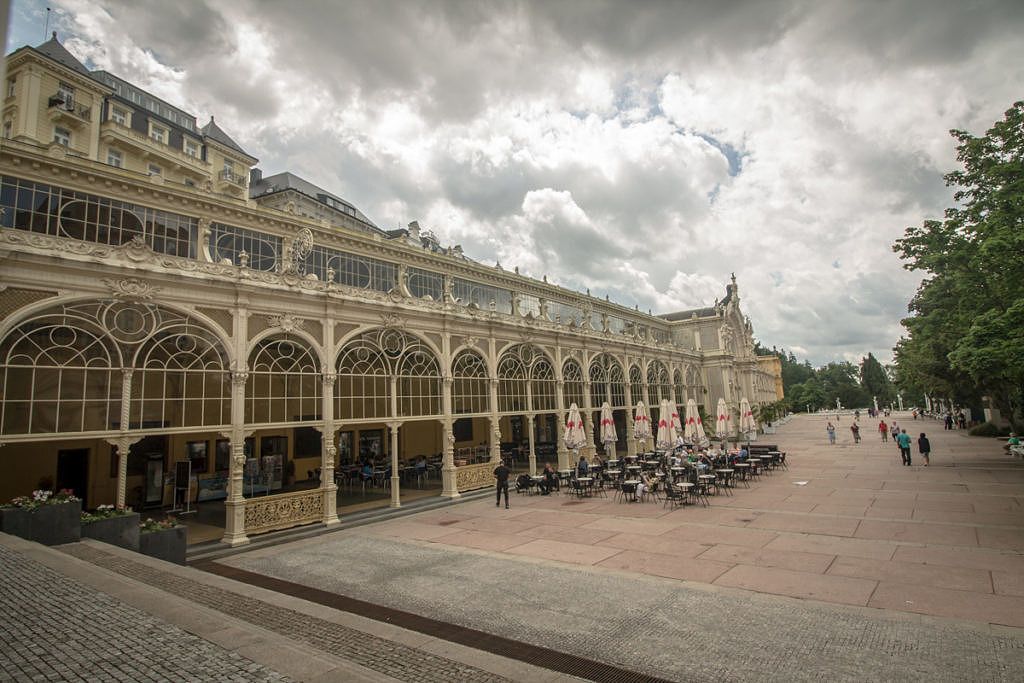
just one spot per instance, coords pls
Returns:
(73, 472)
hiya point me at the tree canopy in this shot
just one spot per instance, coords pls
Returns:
(966, 328)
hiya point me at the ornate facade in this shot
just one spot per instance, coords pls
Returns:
(150, 320)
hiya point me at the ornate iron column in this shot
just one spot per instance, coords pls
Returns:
(327, 485)
(234, 506)
(396, 501)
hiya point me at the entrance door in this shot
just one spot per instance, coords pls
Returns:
(73, 472)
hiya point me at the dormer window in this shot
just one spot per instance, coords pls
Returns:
(158, 133)
(119, 116)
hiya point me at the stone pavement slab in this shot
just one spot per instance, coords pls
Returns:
(622, 613)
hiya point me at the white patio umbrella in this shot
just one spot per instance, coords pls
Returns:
(747, 423)
(722, 422)
(641, 423)
(575, 434)
(693, 430)
(677, 424)
(665, 439)
(608, 434)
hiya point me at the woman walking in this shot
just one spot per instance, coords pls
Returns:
(831, 429)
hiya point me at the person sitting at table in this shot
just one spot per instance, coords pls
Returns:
(643, 486)
(550, 480)
(704, 462)
(582, 468)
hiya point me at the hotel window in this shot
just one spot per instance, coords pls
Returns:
(115, 158)
(66, 94)
(155, 170)
(11, 82)
(62, 136)
(158, 134)
(119, 116)
(191, 148)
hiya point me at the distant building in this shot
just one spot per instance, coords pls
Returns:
(165, 319)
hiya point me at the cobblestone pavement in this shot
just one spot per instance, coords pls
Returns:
(54, 628)
(655, 626)
(377, 654)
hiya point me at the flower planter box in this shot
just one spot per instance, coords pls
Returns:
(167, 544)
(16, 522)
(122, 530)
(51, 524)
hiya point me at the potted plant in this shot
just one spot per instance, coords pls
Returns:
(110, 525)
(44, 517)
(164, 539)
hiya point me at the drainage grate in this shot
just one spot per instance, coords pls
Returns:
(513, 649)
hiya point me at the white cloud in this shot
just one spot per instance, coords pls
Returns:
(644, 151)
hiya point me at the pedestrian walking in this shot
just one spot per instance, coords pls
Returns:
(501, 473)
(831, 429)
(924, 447)
(903, 440)
(883, 429)
(855, 429)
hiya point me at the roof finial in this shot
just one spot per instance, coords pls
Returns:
(54, 34)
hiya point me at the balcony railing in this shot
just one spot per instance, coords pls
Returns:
(63, 104)
(232, 177)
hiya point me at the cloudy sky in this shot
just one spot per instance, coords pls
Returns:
(645, 150)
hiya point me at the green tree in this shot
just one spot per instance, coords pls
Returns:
(966, 317)
(875, 380)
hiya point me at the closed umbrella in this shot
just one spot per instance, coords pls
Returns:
(608, 434)
(722, 423)
(692, 430)
(665, 439)
(575, 434)
(641, 424)
(677, 424)
(747, 423)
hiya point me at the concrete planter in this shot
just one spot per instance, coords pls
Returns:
(52, 524)
(122, 530)
(16, 522)
(167, 544)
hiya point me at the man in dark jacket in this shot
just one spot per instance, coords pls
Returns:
(924, 447)
(501, 475)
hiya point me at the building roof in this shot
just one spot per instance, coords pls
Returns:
(280, 182)
(705, 312)
(213, 131)
(57, 52)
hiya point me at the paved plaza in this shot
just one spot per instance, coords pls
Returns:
(846, 566)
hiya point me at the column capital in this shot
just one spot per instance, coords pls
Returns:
(329, 379)
(239, 377)
(394, 426)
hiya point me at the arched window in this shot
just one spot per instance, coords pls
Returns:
(572, 386)
(368, 364)
(62, 370)
(284, 382)
(470, 393)
(678, 387)
(658, 386)
(606, 382)
(636, 385)
(526, 380)
(181, 378)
